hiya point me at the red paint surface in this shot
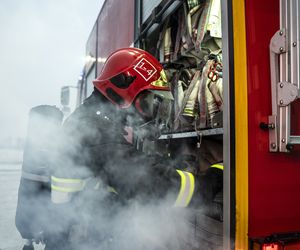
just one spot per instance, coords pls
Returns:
(274, 178)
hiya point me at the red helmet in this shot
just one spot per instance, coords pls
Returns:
(127, 72)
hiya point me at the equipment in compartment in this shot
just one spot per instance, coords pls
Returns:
(190, 48)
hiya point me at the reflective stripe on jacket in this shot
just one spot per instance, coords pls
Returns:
(218, 166)
(63, 188)
(187, 188)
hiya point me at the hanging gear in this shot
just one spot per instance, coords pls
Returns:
(214, 89)
(202, 99)
(193, 3)
(215, 71)
(184, 105)
(190, 104)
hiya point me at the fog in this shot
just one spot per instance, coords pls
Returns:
(138, 214)
(42, 47)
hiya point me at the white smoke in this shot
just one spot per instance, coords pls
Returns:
(42, 47)
(97, 219)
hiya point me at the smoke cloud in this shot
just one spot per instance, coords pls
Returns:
(133, 217)
(42, 48)
(38, 44)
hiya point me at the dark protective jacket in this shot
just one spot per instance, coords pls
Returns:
(99, 177)
(94, 145)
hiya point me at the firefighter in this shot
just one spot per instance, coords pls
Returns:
(99, 169)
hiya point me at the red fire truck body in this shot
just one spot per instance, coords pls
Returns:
(273, 177)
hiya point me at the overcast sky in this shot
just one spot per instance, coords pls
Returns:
(42, 47)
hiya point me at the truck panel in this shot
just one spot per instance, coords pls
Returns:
(274, 178)
(115, 28)
(91, 52)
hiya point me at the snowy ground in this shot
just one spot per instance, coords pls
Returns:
(10, 172)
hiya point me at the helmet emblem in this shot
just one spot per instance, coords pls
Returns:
(145, 69)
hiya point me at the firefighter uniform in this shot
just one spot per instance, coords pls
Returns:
(113, 166)
(98, 169)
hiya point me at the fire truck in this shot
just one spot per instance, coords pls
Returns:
(253, 50)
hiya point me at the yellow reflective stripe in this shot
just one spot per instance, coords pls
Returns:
(66, 189)
(182, 186)
(219, 166)
(67, 185)
(189, 110)
(64, 180)
(162, 81)
(192, 188)
(186, 189)
(163, 75)
(112, 190)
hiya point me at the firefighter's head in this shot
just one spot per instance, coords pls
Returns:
(133, 77)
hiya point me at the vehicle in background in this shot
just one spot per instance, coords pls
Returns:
(68, 99)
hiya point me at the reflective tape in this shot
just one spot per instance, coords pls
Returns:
(162, 81)
(218, 166)
(63, 188)
(112, 190)
(35, 177)
(189, 112)
(186, 189)
(59, 197)
(65, 180)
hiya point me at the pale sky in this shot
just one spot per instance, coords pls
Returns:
(42, 47)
